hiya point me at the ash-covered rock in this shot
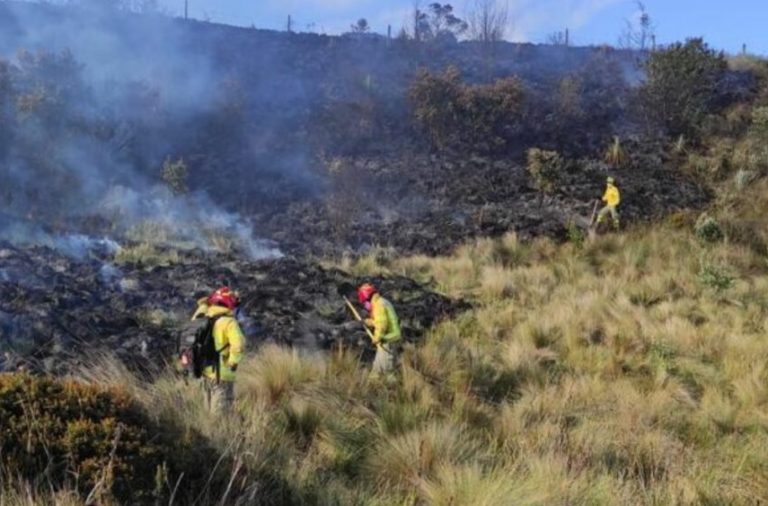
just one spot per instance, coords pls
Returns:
(56, 310)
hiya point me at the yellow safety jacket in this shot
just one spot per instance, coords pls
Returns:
(383, 320)
(612, 197)
(229, 338)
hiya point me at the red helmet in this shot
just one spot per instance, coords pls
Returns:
(224, 297)
(365, 292)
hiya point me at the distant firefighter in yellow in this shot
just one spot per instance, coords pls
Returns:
(612, 199)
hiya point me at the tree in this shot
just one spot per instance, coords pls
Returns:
(559, 38)
(436, 22)
(488, 21)
(361, 26)
(638, 33)
(681, 84)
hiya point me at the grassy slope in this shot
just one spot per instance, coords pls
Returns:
(632, 370)
(627, 371)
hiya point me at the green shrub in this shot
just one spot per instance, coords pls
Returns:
(716, 277)
(175, 176)
(435, 99)
(681, 86)
(92, 438)
(481, 117)
(575, 234)
(708, 229)
(486, 113)
(760, 120)
(544, 168)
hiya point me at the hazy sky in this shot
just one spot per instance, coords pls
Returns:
(724, 24)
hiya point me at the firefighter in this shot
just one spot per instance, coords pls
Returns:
(612, 199)
(385, 324)
(219, 363)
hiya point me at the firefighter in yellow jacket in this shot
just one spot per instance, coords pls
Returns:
(612, 199)
(219, 382)
(386, 328)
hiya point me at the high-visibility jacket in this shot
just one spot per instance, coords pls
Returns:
(229, 338)
(612, 197)
(383, 320)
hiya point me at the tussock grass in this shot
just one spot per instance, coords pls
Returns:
(614, 373)
(147, 255)
(608, 374)
(637, 362)
(20, 493)
(402, 461)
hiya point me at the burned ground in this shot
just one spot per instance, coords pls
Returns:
(431, 203)
(257, 117)
(55, 310)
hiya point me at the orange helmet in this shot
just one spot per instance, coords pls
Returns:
(365, 292)
(224, 297)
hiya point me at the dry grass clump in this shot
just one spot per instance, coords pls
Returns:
(403, 461)
(277, 373)
(622, 372)
(146, 255)
(631, 370)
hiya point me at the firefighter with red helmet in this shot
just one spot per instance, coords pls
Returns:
(385, 324)
(229, 344)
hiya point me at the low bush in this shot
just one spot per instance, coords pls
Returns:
(708, 229)
(716, 277)
(482, 118)
(545, 169)
(94, 439)
(175, 176)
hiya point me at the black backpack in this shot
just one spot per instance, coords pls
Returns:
(204, 352)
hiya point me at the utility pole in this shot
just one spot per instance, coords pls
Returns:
(567, 36)
(186, 9)
(289, 23)
(744, 48)
(389, 34)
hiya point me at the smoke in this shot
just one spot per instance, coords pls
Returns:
(92, 101)
(103, 98)
(194, 220)
(76, 246)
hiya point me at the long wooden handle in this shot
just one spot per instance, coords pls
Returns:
(358, 318)
(594, 210)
